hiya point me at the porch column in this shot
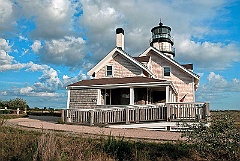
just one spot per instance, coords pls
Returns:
(167, 94)
(68, 98)
(170, 95)
(99, 101)
(131, 96)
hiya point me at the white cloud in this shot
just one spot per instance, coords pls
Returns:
(26, 90)
(7, 14)
(4, 45)
(7, 62)
(5, 10)
(36, 46)
(67, 80)
(21, 38)
(218, 87)
(53, 18)
(69, 51)
(186, 18)
(207, 55)
(217, 81)
(36, 67)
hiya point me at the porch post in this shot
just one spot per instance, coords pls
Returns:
(131, 96)
(68, 98)
(99, 101)
(167, 94)
(170, 95)
(91, 117)
(168, 112)
(127, 115)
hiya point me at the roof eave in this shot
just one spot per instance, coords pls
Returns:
(146, 84)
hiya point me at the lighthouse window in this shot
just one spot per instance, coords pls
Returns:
(109, 70)
(166, 71)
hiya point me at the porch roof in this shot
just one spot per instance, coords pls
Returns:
(105, 81)
(121, 83)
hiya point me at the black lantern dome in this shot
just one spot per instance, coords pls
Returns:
(162, 40)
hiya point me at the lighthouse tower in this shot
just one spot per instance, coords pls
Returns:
(162, 40)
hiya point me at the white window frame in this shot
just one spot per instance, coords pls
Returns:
(106, 71)
(169, 71)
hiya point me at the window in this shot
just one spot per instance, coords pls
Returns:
(109, 70)
(167, 71)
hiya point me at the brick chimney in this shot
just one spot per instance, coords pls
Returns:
(120, 38)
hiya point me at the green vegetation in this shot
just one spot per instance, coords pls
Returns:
(14, 104)
(219, 142)
(25, 145)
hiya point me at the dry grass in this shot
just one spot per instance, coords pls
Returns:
(18, 144)
(234, 114)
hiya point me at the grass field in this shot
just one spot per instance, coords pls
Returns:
(234, 114)
(19, 144)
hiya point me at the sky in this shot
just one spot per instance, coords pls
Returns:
(46, 45)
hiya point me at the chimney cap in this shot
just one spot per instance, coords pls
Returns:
(119, 30)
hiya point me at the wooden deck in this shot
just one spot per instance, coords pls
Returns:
(137, 113)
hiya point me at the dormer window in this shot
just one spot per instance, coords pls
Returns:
(109, 70)
(166, 71)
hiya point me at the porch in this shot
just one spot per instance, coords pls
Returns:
(126, 114)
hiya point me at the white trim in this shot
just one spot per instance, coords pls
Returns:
(68, 98)
(167, 94)
(193, 89)
(131, 96)
(107, 70)
(100, 64)
(110, 55)
(145, 53)
(99, 98)
(164, 72)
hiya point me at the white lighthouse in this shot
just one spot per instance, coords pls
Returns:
(162, 40)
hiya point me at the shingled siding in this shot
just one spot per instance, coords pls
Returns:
(122, 68)
(181, 80)
(85, 98)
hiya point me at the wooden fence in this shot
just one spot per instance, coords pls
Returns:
(137, 113)
(11, 111)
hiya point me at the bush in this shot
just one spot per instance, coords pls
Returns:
(220, 141)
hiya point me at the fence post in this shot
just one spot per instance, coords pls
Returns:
(168, 111)
(137, 114)
(207, 112)
(91, 117)
(127, 115)
(17, 111)
(69, 118)
(63, 119)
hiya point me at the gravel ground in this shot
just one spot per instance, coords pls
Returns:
(50, 123)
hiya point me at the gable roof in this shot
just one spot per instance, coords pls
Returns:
(172, 61)
(110, 55)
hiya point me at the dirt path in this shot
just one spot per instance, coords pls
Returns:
(50, 123)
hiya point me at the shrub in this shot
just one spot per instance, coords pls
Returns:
(220, 141)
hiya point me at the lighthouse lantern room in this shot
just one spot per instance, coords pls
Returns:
(162, 40)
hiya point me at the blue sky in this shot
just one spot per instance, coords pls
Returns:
(47, 44)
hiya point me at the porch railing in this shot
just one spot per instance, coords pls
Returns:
(137, 113)
(188, 111)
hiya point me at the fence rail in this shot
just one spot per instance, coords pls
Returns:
(137, 113)
(12, 111)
